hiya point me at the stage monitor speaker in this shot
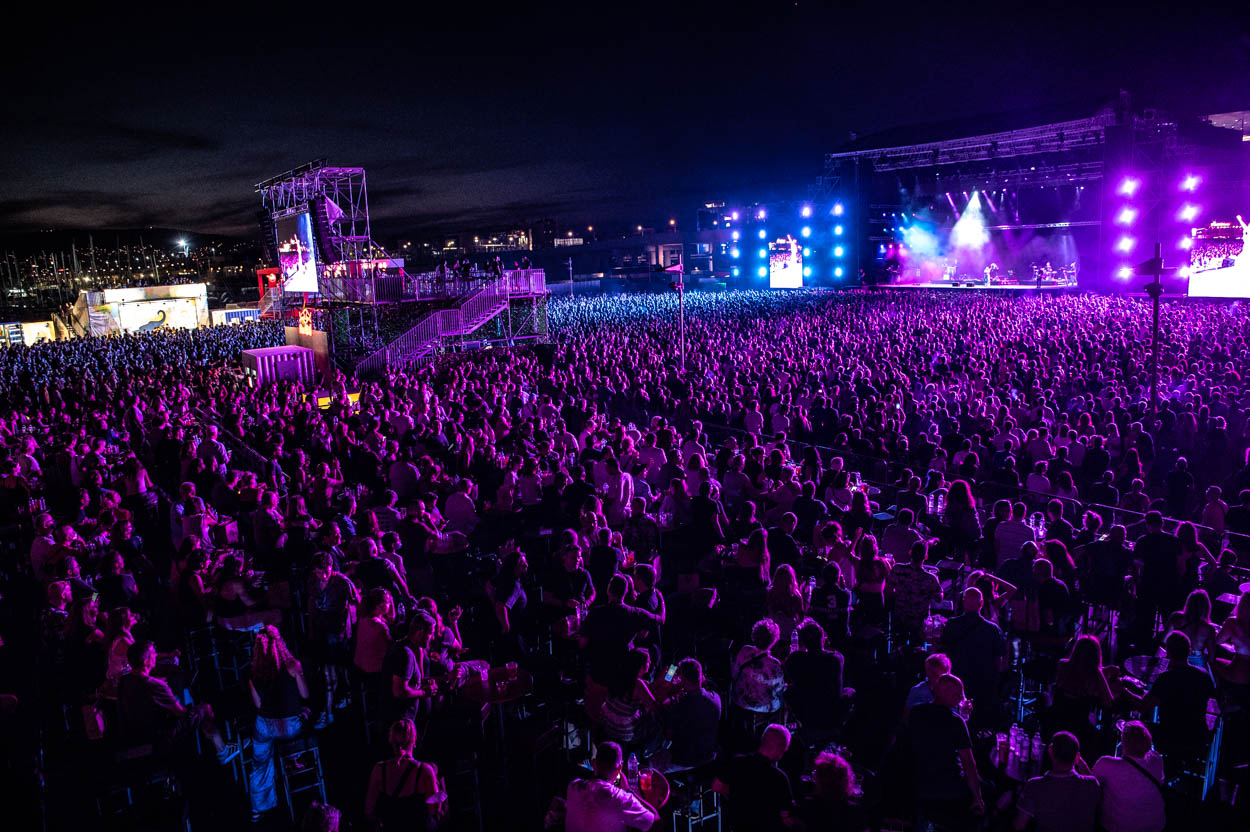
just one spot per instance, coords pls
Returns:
(268, 238)
(327, 251)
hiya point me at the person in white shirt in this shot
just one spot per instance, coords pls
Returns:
(1131, 798)
(598, 804)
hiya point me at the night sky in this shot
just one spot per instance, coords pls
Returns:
(476, 116)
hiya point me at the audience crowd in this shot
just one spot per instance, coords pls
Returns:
(871, 558)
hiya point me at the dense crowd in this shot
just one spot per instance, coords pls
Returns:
(870, 558)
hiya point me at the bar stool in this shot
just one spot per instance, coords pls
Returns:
(700, 805)
(299, 760)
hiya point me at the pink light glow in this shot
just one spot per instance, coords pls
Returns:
(1188, 213)
(1125, 244)
(1187, 243)
(1127, 216)
(1124, 272)
(1191, 183)
(1129, 186)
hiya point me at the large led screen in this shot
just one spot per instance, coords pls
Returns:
(296, 256)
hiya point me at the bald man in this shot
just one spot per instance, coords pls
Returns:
(758, 794)
(978, 655)
(945, 772)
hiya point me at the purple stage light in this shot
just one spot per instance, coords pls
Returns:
(1191, 183)
(735, 216)
(1125, 244)
(1186, 243)
(1124, 272)
(1127, 216)
(1129, 186)
(1188, 213)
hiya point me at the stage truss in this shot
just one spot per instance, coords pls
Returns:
(353, 327)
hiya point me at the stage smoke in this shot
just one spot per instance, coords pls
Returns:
(969, 232)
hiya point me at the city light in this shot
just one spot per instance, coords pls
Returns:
(1129, 186)
(838, 251)
(762, 271)
(1191, 183)
(1188, 213)
(837, 230)
(837, 209)
(806, 211)
(1125, 244)
(837, 272)
(672, 222)
(806, 231)
(1127, 216)
(763, 233)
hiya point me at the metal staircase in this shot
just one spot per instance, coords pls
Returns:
(425, 338)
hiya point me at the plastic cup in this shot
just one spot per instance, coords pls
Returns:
(644, 780)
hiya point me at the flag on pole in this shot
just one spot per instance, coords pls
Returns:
(676, 268)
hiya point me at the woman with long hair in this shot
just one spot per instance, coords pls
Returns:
(1080, 687)
(1194, 620)
(404, 793)
(784, 601)
(961, 517)
(754, 559)
(871, 572)
(832, 805)
(278, 689)
(1194, 554)
(625, 711)
(118, 638)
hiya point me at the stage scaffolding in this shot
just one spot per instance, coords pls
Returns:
(337, 201)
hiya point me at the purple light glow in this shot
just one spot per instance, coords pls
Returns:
(1127, 216)
(1191, 183)
(1188, 213)
(1125, 244)
(1187, 243)
(1129, 186)
(1124, 272)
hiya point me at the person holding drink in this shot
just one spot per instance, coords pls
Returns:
(601, 803)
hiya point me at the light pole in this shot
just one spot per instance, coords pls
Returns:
(1154, 268)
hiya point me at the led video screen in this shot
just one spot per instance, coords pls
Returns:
(1219, 262)
(296, 256)
(785, 264)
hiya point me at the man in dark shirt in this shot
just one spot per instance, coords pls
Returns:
(610, 629)
(567, 585)
(809, 510)
(604, 560)
(148, 710)
(1057, 528)
(945, 772)
(758, 794)
(781, 545)
(977, 653)
(1060, 800)
(1181, 694)
(406, 682)
(1053, 598)
(1159, 588)
(814, 681)
(693, 718)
